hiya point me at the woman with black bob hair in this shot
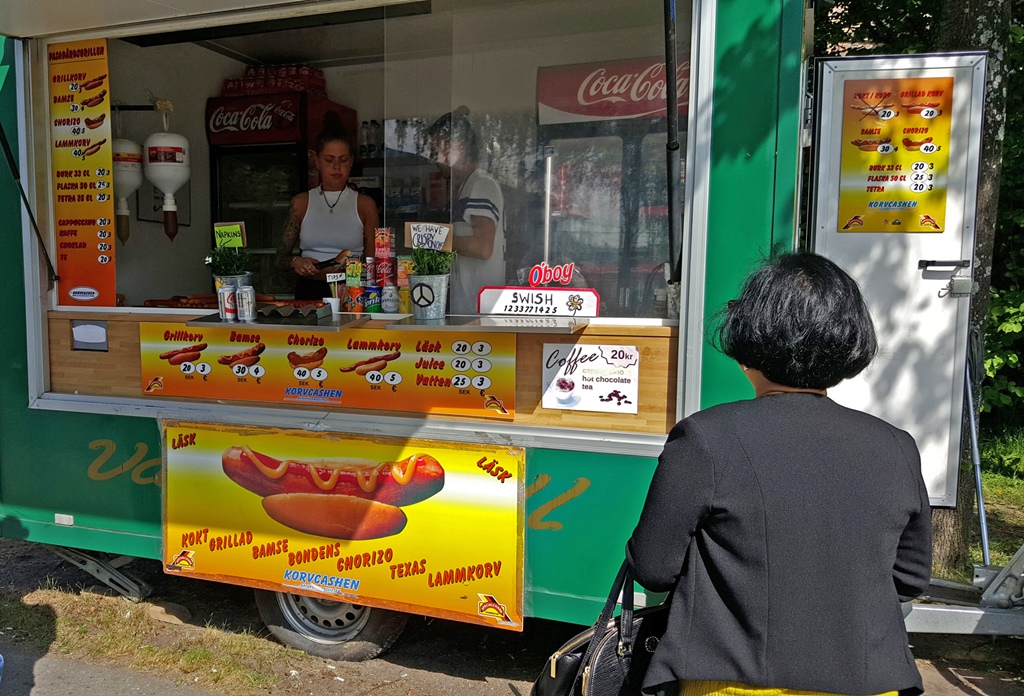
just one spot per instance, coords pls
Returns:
(787, 528)
(801, 322)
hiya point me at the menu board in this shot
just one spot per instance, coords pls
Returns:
(895, 153)
(81, 153)
(456, 373)
(432, 528)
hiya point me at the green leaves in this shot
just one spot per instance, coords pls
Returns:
(432, 262)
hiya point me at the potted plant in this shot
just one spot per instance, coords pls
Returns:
(428, 283)
(230, 266)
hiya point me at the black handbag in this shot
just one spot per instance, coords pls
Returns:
(611, 657)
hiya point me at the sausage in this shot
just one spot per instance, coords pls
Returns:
(190, 349)
(94, 83)
(375, 359)
(248, 361)
(335, 516)
(95, 122)
(95, 100)
(93, 149)
(918, 108)
(317, 356)
(405, 482)
(915, 144)
(370, 367)
(247, 353)
(180, 358)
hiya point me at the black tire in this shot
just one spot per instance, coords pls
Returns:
(332, 630)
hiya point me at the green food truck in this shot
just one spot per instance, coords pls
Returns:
(358, 466)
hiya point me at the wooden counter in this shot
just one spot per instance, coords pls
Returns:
(118, 372)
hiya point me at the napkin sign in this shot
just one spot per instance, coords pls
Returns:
(428, 235)
(229, 234)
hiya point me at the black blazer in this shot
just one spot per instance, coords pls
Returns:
(790, 528)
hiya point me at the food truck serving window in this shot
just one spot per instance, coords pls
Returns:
(543, 121)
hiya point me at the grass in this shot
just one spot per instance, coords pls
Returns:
(108, 630)
(1004, 513)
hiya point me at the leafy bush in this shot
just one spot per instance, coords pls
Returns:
(431, 261)
(1003, 454)
(226, 261)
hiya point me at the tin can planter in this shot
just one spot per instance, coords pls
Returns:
(429, 295)
(237, 281)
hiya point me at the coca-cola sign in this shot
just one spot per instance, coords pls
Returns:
(264, 118)
(634, 88)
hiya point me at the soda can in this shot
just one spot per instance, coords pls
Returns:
(226, 299)
(371, 299)
(245, 300)
(385, 274)
(369, 277)
(389, 299)
(404, 301)
(355, 298)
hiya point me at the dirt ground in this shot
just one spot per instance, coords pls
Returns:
(432, 656)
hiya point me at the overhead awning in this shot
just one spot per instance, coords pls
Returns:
(50, 18)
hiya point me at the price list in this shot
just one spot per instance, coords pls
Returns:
(80, 141)
(895, 155)
(456, 373)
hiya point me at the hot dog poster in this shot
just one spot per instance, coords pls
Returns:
(83, 200)
(424, 527)
(895, 155)
(455, 373)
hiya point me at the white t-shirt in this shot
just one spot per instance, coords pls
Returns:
(480, 196)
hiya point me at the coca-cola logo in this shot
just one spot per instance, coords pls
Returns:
(251, 118)
(647, 85)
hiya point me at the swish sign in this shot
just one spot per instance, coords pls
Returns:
(608, 91)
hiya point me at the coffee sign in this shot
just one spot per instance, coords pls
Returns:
(582, 377)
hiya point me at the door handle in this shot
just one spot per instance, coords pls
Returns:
(925, 264)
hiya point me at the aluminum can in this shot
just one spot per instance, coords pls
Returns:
(368, 272)
(385, 274)
(389, 299)
(226, 301)
(404, 301)
(245, 300)
(371, 299)
(355, 298)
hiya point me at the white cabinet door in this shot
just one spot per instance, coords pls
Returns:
(898, 217)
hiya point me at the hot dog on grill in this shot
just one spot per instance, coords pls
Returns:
(406, 482)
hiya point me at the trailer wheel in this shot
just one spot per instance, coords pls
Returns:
(332, 630)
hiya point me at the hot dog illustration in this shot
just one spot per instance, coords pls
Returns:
(96, 99)
(405, 482)
(309, 361)
(915, 145)
(377, 362)
(248, 357)
(92, 123)
(918, 108)
(183, 355)
(155, 384)
(870, 145)
(335, 516)
(93, 149)
(94, 83)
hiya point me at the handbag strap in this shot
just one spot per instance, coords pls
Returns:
(606, 616)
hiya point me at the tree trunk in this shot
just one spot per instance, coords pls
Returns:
(976, 25)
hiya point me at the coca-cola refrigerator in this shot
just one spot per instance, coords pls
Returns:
(260, 156)
(602, 135)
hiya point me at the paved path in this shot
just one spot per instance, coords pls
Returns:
(26, 674)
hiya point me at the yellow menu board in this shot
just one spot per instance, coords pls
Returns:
(424, 527)
(895, 155)
(81, 147)
(451, 372)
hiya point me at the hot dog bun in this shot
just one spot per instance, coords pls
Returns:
(335, 516)
(406, 482)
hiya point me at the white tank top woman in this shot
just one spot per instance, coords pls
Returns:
(331, 223)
